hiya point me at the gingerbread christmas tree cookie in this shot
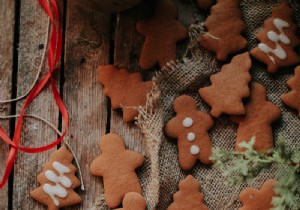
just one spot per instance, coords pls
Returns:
(261, 199)
(292, 98)
(162, 32)
(190, 128)
(126, 90)
(189, 196)
(278, 40)
(58, 181)
(229, 87)
(224, 28)
(260, 114)
(117, 167)
(133, 201)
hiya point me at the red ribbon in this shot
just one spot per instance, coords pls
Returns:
(54, 54)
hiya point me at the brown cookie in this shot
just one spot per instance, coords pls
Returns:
(229, 87)
(117, 167)
(224, 28)
(252, 198)
(133, 201)
(292, 98)
(58, 181)
(190, 128)
(260, 114)
(126, 90)
(189, 196)
(278, 40)
(161, 32)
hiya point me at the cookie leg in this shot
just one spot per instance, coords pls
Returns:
(187, 160)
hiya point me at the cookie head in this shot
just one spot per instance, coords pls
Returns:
(184, 103)
(111, 143)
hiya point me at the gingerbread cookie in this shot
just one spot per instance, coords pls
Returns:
(292, 98)
(252, 198)
(278, 40)
(58, 181)
(161, 34)
(190, 128)
(117, 167)
(260, 114)
(224, 28)
(126, 90)
(189, 196)
(229, 87)
(133, 201)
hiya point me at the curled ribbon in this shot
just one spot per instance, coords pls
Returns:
(54, 54)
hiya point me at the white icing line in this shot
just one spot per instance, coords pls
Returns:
(279, 52)
(61, 182)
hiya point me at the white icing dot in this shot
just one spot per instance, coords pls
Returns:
(191, 136)
(195, 150)
(187, 122)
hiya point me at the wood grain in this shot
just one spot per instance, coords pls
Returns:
(6, 70)
(33, 33)
(88, 37)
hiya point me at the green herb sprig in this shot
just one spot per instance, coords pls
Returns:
(244, 166)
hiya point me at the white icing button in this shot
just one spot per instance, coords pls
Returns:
(195, 150)
(191, 136)
(187, 122)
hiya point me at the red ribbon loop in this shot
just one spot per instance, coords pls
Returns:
(54, 54)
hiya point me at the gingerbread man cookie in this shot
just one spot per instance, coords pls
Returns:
(126, 90)
(117, 167)
(260, 114)
(229, 87)
(161, 34)
(292, 98)
(58, 181)
(133, 201)
(190, 128)
(189, 196)
(278, 40)
(252, 198)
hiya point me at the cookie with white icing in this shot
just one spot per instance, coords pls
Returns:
(58, 181)
(190, 127)
(278, 40)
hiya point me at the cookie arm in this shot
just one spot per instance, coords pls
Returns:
(97, 168)
(135, 158)
(181, 32)
(171, 128)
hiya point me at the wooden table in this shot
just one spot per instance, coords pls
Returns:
(90, 39)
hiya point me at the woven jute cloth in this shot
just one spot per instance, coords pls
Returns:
(161, 173)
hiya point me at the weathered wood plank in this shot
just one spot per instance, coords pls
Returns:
(33, 34)
(128, 46)
(6, 69)
(87, 45)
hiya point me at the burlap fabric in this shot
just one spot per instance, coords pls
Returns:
(161, 173)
